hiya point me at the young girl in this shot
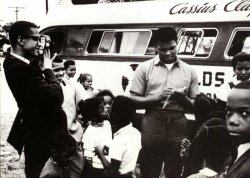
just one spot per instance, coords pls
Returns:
(98, 132)
(86, 80)
(108, 98)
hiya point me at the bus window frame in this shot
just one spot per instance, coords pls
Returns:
(202, 36)
(231, 40)
(117, 54)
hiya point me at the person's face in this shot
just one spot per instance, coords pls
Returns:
(31, 45)
(63, 157)
(242, 70)
(167, 51)
(107, 103)
(102, 113)
(238, 115)
(71, 71)
(59, 73)
(88, 82)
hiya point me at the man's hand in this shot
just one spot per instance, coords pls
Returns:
(47, 62)
(165, 94)
(178, 94)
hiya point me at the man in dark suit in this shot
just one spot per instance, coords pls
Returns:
(238, 124)
(38, 95)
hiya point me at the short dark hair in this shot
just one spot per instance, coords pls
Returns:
(20, 28)
(58, 59)
(105, 92)
(61, 141)
(89, 108)
(243, 85)
(125, 108)
(165, 35)
(68, 63)
(240, 57)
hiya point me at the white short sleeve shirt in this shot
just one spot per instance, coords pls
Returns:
(125, 147)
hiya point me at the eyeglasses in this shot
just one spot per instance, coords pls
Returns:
(35, 38)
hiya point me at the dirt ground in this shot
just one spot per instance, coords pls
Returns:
(11, 165)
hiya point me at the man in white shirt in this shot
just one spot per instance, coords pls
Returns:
(125, 147)
(238, 124)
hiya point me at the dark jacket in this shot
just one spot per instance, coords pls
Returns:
(39, 98)
(241, 168)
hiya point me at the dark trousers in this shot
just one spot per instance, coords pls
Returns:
(162, 133)
(36, 155)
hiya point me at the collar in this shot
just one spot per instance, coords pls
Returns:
(123, 129)
(242, 149)
(20, 58)
(66, 76)
(208, 172)
(157, 61)
(235, 81)
(97, 124)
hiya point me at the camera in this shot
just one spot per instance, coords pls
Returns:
(45, 42)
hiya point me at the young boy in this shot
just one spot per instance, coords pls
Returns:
(241, 68)
(238, 124)
(70, 68)
(126, 144)
(63, 148)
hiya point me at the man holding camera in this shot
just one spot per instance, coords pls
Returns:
(38, 95)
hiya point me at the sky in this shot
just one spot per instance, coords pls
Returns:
(33, 10)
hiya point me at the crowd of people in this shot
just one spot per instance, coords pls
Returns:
(68, 129)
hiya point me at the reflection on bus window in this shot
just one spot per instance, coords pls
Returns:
(119, 42)
(76, 41)
(196, 43)
(240, 42)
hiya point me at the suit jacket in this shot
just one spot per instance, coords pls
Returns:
(39, 98)
(241, 168)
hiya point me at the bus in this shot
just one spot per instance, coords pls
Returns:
(109, 40)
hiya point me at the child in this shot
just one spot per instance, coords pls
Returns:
(85, 82)
(108, 98)
(213, 147)
(205, 108)
(241, 68)
(126, 144)
(97, 132)
(238, 124)
(63, 148)
(70, 68)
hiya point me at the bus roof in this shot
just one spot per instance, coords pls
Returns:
(150, 12)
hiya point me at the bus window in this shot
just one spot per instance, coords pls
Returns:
(106, 42)
(188, 42)
(76, 41)
(58, 39)
(94, 41)
(207, 43)
(240, 42)
(196, 43)
(119, 42)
